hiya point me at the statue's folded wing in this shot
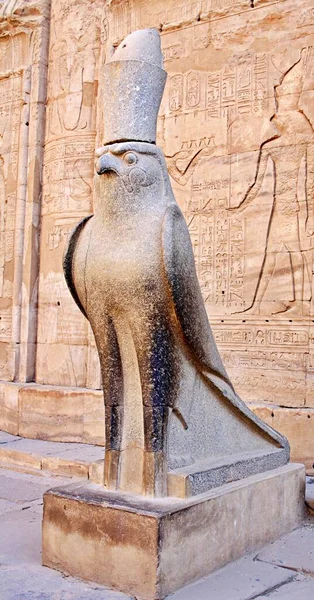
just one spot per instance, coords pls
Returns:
(186, 295)
(68, 261)
(192, 318)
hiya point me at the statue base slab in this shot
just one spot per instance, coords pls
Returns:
(150, 547)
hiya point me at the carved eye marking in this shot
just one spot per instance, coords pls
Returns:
(130, 158)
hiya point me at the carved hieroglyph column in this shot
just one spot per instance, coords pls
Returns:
(67, 184)
(23, 52)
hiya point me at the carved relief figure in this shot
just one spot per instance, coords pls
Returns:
(292, 142)
(72, 73)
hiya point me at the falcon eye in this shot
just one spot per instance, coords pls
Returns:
(130, 158)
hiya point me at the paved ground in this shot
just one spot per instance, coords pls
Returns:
(282, 571)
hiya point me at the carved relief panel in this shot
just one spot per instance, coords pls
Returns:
(24, 29)
(237, 129)
(13, 87)
(62, 355)
(236, 126)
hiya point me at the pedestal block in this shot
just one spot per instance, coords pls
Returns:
(148, 548)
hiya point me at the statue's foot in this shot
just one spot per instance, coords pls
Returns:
(254, 309)
(295, 308)
(155, 474)
(111, 470)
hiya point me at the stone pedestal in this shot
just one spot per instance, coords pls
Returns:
(149, 548)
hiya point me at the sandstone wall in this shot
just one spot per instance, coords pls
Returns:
(24, 31)
(236, 125)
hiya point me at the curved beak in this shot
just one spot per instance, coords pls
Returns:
(106, 163)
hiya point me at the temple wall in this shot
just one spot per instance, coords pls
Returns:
(23, 72)
(63, 356)
(236, 125)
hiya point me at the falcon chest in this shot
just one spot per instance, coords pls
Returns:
(128, 254)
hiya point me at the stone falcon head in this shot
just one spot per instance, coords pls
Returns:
(135, 165)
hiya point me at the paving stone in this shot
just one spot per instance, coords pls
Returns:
(22, 576)
(12, 489)
(6, 505)
(86, 452)
(6, 438)
(39, 447)
(293, 551)
(297, 590)
(241, 580)
(40, 583)
(20, 541)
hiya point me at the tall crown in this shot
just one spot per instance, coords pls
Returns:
(288, 92)
(134, 81)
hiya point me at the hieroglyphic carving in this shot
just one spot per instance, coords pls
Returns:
(260, 89)
(259, 335)
(60, 232)
(18, 139)
(278, 361)
(68, 173)
(241, 87)
(62, 321)
(239, 90)
(218, 242)
(215, 122)
(126, 17)
(306, 17)
(67, 195)
(255, 356)
(255, 353)
(193, 89)
(268, 386)
(6, 325)
(10, 117)
(182, 164)
(218, 245)
(233, 102)
(176, 93)
(62, 334)
(173, 52)
(121, 20)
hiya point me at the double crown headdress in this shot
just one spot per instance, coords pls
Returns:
(134, 81)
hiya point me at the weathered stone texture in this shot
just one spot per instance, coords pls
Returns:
(23, 55)
(149, 548)
(231, 68)
(52, 413)
(296, 425)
